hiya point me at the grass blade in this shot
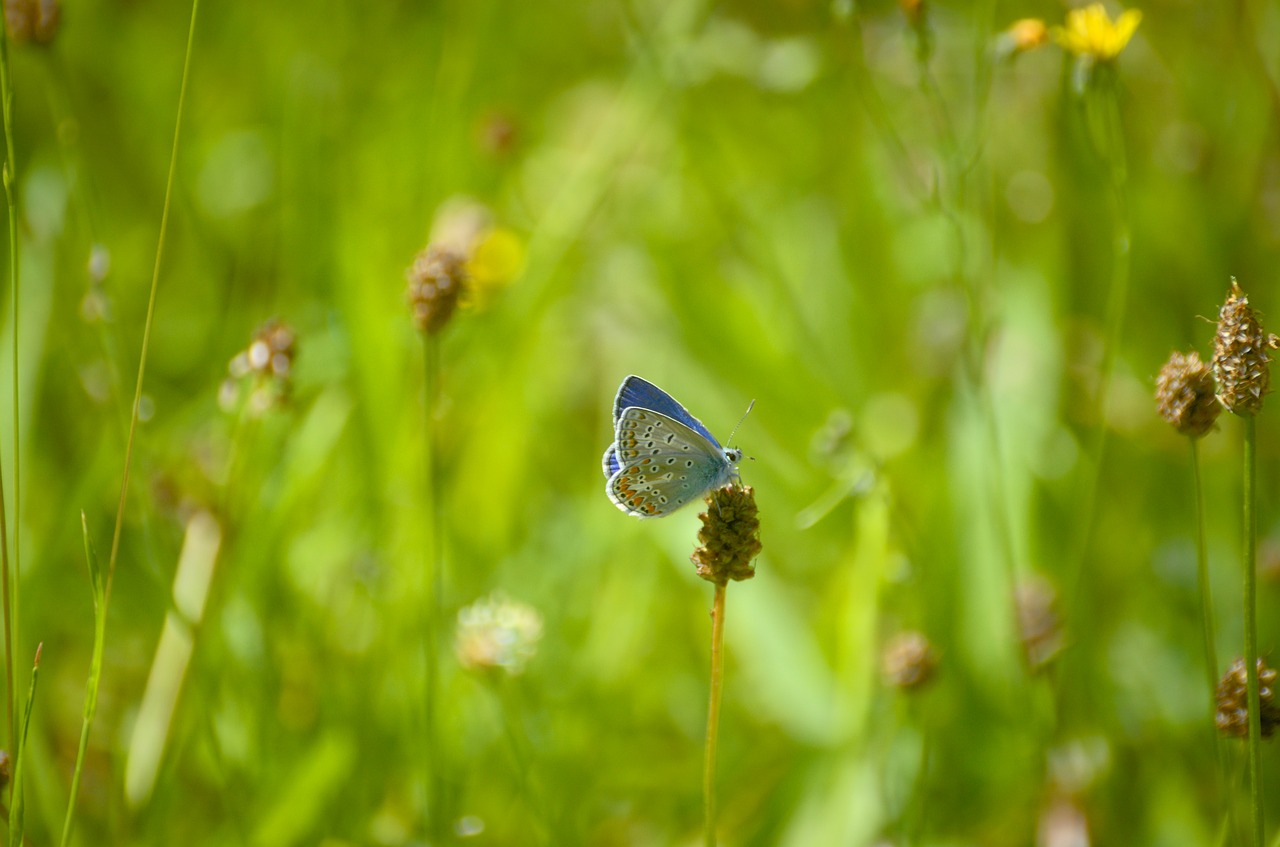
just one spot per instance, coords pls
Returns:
(18, 811)
(95, 674)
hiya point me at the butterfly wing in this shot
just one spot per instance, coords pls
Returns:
(662, 464)
(610, 461)
(643, 394)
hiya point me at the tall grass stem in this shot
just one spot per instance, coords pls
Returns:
(7, 573)
(17, 811)
(95, 673)
(151, 305)
(1105, 129)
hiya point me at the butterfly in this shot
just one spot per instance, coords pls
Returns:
(662, 457)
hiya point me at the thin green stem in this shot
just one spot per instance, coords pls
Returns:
(151, 305)
(1108, 139)
(7, 574)
(916, 820)
(713, 715)
(1202, 579)
(91, 695)
(517, 736)
(1206, 620)
(878, 112)
(17, 810)
(1249, 564)
(434, 584)
(95, 675)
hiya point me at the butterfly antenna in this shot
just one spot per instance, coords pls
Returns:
(750, 406)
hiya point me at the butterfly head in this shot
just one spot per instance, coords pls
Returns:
(733, 455)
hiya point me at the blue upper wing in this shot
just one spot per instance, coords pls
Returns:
(645, 395)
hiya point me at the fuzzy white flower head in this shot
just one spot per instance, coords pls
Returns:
(497, 633)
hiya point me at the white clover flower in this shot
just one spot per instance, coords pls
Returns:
(497, 633)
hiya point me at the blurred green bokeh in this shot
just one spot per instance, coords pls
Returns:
(905, 258)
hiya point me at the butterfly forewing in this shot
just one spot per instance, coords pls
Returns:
(639, 392)
(662, 463)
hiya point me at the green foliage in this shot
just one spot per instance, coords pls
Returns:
(946, 289)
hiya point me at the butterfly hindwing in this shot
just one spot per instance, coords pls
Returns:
(662, 463)
(610, 461)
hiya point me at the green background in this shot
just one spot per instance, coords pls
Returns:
(907, 260)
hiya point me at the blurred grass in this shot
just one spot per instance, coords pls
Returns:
(742, 201)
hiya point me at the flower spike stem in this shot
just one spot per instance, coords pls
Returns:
(713, 713)
(1250, 547)
(1202, 577)
(435, 590)
(1206, 619)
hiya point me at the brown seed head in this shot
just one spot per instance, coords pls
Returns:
(1039, 628)
(1240, 359)
(730, 535)
(32, 20)
(1233, 701)
(1185, 394)
(436, 280)
(272, 350)
(261, 372)
(908, 660)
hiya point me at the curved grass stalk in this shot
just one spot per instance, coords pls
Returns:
(95, 673)
(17, 812)
(7, 574)
(91, 693)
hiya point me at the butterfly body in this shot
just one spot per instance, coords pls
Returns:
(662, 457)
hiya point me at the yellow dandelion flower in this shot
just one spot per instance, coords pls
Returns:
(1090, 32)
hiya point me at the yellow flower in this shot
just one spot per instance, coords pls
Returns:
(1021, 36)
(496, 260)
(1028, 33)
(1090, 33)
(493, 255)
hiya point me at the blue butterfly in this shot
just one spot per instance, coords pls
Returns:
(662, 457)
